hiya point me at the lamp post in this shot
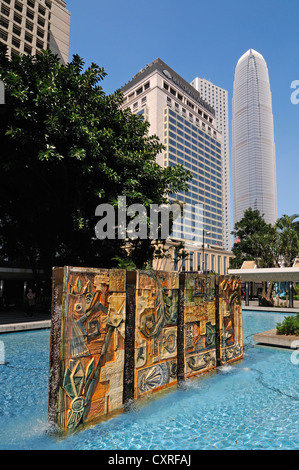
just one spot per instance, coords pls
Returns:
(3, 106)
(203, 248)
(2, 92)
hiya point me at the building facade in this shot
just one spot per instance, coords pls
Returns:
(28, 26)
(217, 97)
(253, 148)
(185, 124)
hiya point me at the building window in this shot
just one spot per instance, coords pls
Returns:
(15, 42)
(40, 32)
(206, 267)
(31, 3)
(172, 91)
(39, 44)
(198, 262)
(30, 14)
(3, 35)
(27, 49)
(147, 85)
(14, 52)
(41, 10)
(16, 30)
(28, 37)
(29, 25)
(41, 21)
(213, 263)
(139, 91)
(4, 10)
(166, 86)
(191, 261)
(3, 23)
(18, 6)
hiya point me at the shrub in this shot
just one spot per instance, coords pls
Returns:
(289, 326)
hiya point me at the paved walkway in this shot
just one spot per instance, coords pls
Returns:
(12, 321)
(255, 307)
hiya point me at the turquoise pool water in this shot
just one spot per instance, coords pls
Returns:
(249, 405)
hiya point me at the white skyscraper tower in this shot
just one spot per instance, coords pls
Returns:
(253, 148)
(218, 98)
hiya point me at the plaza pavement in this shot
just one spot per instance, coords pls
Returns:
(12, 321)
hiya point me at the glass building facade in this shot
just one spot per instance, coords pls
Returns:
(199, 153)
(253, 148)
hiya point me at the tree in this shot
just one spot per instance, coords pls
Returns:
(255, 240)
(269, 246)
(66, 147)
(288, 238)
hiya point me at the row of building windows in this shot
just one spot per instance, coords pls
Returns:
(197, 172)
(18, 18)
(192, 143)
(194, 148)
(136, 93)
(180, 97)
(190, 225)
(194, 262)
(209, 213)
(198, 133)
(190, 116)
(32, 4)
(184, 232)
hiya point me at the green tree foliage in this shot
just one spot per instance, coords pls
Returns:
(255, 240)
(288, 245)
(269, 246)
(66, 147)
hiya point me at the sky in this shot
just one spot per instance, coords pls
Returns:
(204, 39)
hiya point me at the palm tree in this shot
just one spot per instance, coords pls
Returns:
(288, 238)
(295, 223)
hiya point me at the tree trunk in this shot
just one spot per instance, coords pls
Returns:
(269, 291)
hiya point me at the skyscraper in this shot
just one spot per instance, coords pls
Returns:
(253, 148)
(185, 124)
(217, 97)
(27, 27)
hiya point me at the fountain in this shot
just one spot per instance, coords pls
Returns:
(119, 336)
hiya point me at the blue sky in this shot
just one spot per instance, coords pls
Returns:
(205, 39)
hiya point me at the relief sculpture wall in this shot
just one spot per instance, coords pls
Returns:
(117, 336)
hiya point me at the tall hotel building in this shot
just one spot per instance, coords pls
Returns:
(218, 98)
(28, 26)
(253, 148)
(185, 124)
